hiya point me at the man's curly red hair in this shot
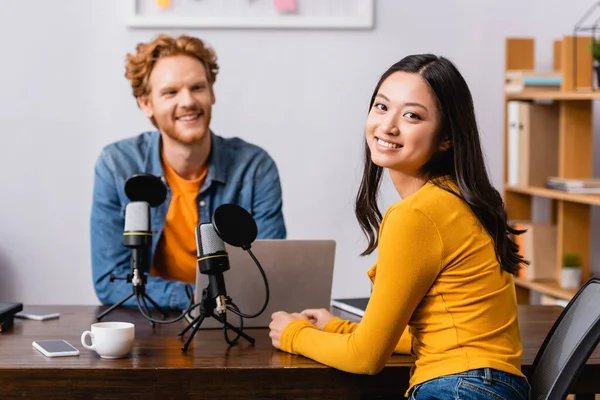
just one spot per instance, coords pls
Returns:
(140, 65)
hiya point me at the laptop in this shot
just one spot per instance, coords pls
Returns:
(356, 306)
(299, 272)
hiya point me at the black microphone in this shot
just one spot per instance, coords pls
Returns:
(137, 231)
(144, 191)
(235, 226)
(213, 260)
(137, 236)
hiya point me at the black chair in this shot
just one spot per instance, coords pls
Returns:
(568, 345)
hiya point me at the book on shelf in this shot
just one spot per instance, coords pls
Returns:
(516, 81)
(546, 300)
(572, 185)
(356, 306)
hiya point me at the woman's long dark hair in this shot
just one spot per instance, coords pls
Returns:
(463, 162)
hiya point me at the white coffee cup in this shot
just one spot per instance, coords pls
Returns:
(110, 339)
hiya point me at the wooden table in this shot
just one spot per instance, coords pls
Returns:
(157, 368)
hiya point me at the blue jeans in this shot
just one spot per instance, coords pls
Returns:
(484, 384)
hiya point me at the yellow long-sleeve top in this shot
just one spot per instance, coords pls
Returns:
(437, 272)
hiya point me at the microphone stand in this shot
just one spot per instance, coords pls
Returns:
(207, 306)
(138, 279)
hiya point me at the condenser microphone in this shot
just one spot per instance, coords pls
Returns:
(137, 236)
(235, 226)
(213, 260)
(137, 231)
(143, 191)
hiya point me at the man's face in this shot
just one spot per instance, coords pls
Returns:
(180, 99)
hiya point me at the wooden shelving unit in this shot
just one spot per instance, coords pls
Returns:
(570, 212)
(551, 288)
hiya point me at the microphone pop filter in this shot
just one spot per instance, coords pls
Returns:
(146, 187)
(234, 225)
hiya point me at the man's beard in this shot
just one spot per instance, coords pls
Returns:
(172, 132)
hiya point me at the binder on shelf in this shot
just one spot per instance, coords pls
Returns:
(538, 246)
(532, 143)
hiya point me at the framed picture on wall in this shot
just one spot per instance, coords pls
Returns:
(277, 14)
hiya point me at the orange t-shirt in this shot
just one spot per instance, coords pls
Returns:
(175, 255)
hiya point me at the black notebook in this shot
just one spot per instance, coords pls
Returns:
(355, 306)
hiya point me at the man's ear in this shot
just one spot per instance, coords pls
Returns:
(146, 106)
(212, 95)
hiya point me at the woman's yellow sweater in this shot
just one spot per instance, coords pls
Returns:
(438, 274)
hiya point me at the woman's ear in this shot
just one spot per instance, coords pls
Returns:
(446, 144)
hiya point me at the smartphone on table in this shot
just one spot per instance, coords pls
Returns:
(36, 314)
(55, 348)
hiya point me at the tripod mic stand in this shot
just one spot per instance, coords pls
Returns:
(144, 191)
(207, 306)
(138, 279)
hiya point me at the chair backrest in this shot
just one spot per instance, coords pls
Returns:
(568, 345)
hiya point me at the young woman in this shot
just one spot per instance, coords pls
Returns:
(445, 260)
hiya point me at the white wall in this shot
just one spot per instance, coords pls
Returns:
(303, 95)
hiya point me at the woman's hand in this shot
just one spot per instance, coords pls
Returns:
(318, 317)
(279, 320)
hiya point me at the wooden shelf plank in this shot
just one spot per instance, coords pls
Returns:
(551, 288)
(593, 199)
(533, 94)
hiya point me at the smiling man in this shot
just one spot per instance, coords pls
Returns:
(172, 80)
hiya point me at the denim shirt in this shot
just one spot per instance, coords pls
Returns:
(239, 172)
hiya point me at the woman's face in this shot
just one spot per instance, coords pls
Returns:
(402, 128)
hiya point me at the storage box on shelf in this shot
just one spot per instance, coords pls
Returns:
(548, 132)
